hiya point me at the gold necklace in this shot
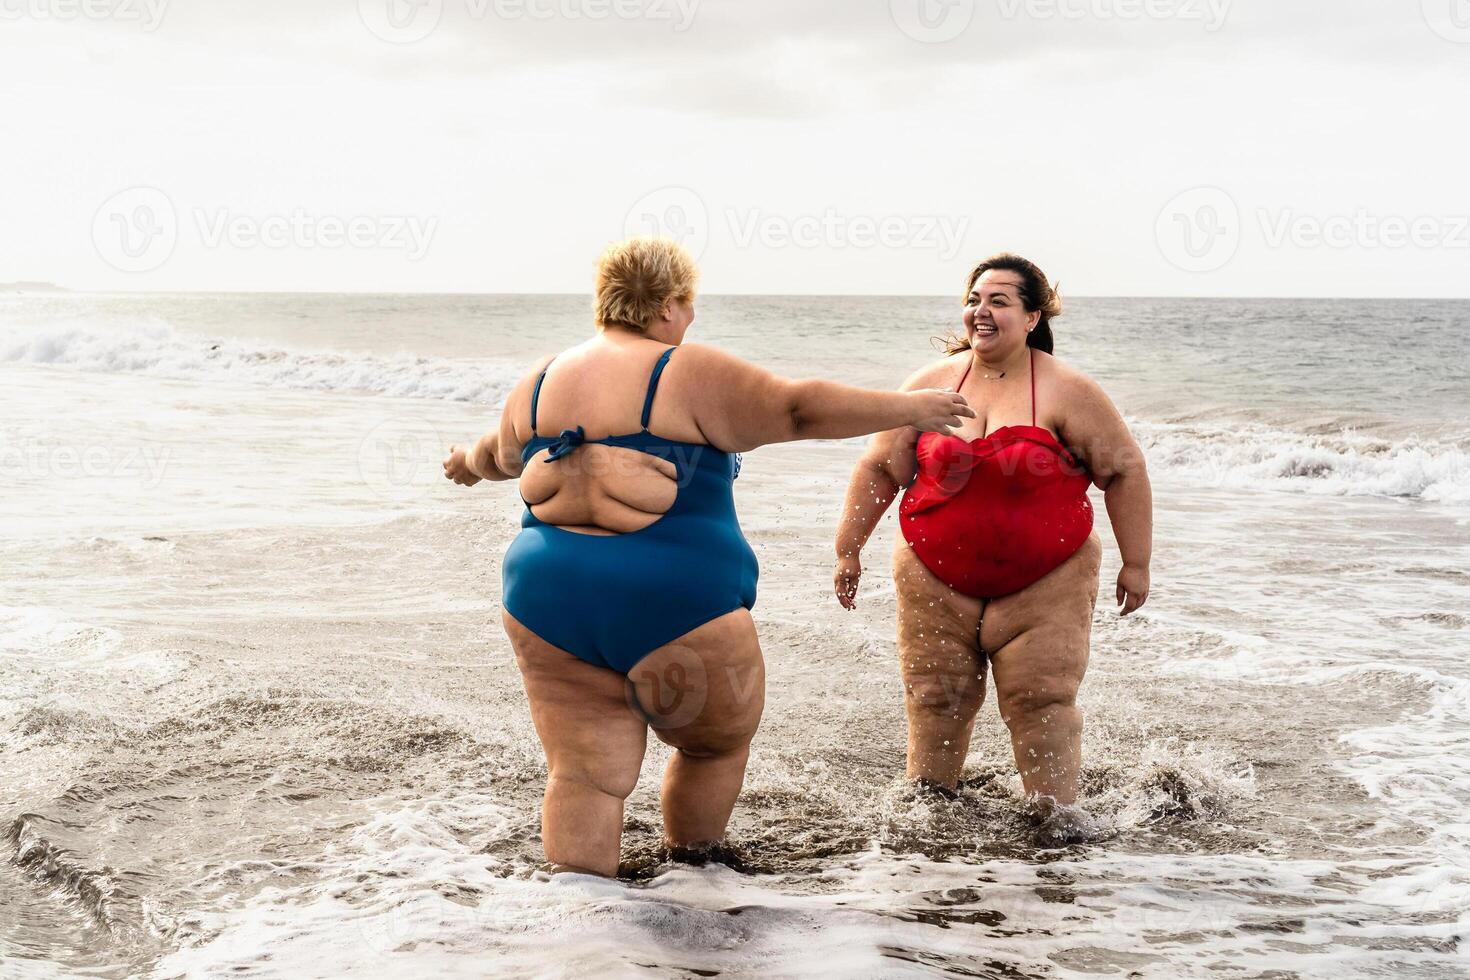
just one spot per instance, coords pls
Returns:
(995, 377)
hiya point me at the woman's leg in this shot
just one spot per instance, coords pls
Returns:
(1039, 641)
(703, 694)
(594, 742)
(942, 666)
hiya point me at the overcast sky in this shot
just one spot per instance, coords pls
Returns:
(1131, 147)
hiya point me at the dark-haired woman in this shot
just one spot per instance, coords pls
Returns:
(998, 560)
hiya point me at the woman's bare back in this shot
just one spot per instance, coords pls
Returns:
(602, 386)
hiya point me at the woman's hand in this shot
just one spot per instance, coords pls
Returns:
(1133, 585)
(845, 580)
(936, 410)
(457, 468)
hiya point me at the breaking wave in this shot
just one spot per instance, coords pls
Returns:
(160, 350)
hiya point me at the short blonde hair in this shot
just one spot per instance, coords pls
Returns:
(636, 278)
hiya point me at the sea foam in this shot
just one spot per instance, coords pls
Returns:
(160, 350)
(1250, 456)
(1226, 453)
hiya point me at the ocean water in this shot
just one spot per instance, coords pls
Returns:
(257, 717)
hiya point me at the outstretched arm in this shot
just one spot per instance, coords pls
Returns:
(497, 455)
(468, 467)
(1096, 430)
(743, 407)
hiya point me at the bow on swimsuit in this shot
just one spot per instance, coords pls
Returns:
(612, 601)
(994, 515)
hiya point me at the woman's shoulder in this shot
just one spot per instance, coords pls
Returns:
(539, 367)
(1068, 380)
(706, 362)
(572, 358)
(691, 351)
(943, 373)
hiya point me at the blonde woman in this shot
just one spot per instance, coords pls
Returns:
(627, 595)
(998, 561)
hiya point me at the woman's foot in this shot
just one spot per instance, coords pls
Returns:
(1062, 825)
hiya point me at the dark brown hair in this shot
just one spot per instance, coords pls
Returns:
(1037, 293)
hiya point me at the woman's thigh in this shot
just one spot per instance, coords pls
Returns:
(706, 691)
(582, 714)
(1039, 638)
(938, 642)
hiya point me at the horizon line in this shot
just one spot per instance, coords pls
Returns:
(61, 290)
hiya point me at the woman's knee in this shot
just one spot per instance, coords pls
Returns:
(945, 695)
(614, 782)
(1037, 701)
(1040, 669)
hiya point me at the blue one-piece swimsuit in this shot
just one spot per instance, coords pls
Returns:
(612, 601)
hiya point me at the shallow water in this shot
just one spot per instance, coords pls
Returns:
(258, 716)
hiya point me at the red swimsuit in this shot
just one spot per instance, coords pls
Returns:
(993, 515)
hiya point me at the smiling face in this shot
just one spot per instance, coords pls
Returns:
(996, 320)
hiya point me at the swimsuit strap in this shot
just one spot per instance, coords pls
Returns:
(969, 363)
(1033, 387)
(536, 394)
(658, 370)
